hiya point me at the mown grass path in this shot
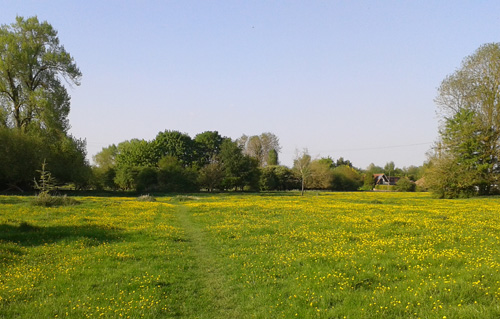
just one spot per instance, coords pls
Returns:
(212, 297)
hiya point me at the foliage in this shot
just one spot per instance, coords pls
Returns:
(240, 171)
(147, 179)
(413, 173)
(175, 144)
(126, 177)
(34, 106)
(321, 174)
(260, 147)
(46, 184)
(405, 185)
(173, 177)
(106, 158)
(374, 169)
(277, 178)
(466, 159)
(211, 175)
(135, 152)
(389, 188)
(346, 178)
(302, 167)
(21, 155)
(342, 162)
(272, 158)
(47, 200)
(32, 65)
(368, 182)
(208, 145)
(146, 198)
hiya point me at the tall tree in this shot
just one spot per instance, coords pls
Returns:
(135, 153)
(272, 158)
(208, 146)
(260, 147)
(32, 64)
(468, 151)
(105, 159)
(321, 174)
(34, 100)
(176, 144)
(240, 170)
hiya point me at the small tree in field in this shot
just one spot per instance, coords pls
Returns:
(45, 185)
(46, 182)
(302, 166)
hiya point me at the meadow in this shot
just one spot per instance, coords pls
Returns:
(274, 255)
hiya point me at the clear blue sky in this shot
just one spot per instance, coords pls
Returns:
(342, 78)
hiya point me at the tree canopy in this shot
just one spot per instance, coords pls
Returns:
(34, 106)
(466, 157)
(32, 66)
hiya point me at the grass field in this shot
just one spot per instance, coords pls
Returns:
(324, 255)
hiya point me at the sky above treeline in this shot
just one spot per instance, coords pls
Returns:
(355, 79)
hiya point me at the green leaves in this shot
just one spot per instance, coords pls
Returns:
(32, 65)
(466, 159)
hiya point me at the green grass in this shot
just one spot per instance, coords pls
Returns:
(324, 255)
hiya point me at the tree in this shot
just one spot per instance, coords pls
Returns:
(174, 177)
(208, 146)
(346, 178)
(106, 158)
(176, 144)
(135, 153)
(342, 162)
(372, 168)
(321, 174)
(34, 101)
(20, 158)
(302, 167)
(413, 172)
(405, 185)
(368, 182)
(260, 147)
(468, 151)
(32, 65)
(272, 158)
(211, 175)
(389, 168)
(240, 170)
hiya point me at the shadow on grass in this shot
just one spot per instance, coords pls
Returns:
(12, 200)
(29, 235)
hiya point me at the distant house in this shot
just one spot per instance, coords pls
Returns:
(382, 179)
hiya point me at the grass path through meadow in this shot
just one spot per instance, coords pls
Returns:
(213, 297)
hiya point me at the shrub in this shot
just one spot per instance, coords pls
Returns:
(385, 187)
(45, 185)
(146, 198)
(405, 185)
(47, 200)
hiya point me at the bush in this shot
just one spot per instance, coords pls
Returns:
(147, 179)
(405, 185)
(389, 188)
(346, 178)
(146, 198)
(47, 200)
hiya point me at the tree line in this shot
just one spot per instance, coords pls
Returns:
(34, 129)
(175, 162)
